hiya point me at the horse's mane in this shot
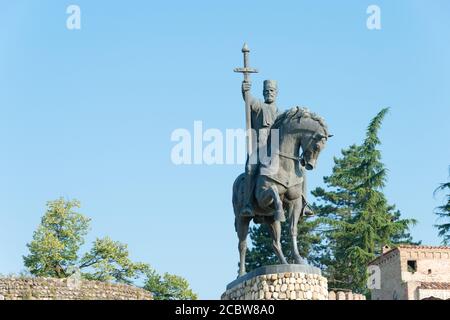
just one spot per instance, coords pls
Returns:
(299, 112)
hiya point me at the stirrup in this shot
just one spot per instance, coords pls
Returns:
(307, 210)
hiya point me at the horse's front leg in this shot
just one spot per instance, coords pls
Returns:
(242, 224)
(297, 206)
(275, 232)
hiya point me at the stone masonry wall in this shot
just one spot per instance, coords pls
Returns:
(406, 268)
(281, 286)
(433, 265)
(67, 289)
(345, 295)
(391, 285)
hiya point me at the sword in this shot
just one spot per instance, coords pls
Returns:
(246, 70)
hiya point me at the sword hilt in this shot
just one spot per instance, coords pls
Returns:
(246, 70)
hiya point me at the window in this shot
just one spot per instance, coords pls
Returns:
(429, 271)
(412, 266)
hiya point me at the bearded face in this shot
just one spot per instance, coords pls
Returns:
(270, 94)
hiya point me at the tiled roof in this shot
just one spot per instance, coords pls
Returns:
(381, 256)
(435, 285)
(405, 246)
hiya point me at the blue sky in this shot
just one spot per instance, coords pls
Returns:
(88, 114)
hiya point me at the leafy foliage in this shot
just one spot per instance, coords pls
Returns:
(54, 252)
(110, 261)
(57, 240)
(168, 287)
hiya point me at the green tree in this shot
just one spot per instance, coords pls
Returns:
(444, 213)
(356, 217)
(54, 252)
(109, 260)
(168, 287)
(57, 240)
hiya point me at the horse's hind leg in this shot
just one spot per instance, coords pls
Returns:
(242, 224)
(275, 232)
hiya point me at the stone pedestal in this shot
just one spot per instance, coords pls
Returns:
(279, 282)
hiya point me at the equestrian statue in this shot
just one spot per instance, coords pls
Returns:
(280, 148)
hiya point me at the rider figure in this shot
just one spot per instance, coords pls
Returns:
(263, 115)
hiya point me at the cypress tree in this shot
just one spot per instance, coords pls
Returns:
(357, 218)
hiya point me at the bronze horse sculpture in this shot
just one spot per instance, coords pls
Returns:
(279, 183)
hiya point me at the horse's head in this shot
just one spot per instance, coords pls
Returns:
(314, 136)
(312, 146)
(301, 128)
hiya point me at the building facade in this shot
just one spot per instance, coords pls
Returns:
(411, 273)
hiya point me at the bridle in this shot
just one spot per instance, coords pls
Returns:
(301, 157)
(285, 155)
